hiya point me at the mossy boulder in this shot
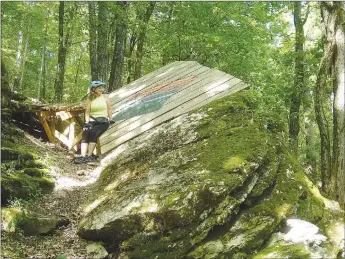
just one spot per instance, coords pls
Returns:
(215, 183)
(15, 219)
(19, 185)
(23, 175)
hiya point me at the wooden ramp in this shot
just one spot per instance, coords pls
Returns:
(162, 95)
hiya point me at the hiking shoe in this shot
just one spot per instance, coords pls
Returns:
(90, 159)
(80, 160)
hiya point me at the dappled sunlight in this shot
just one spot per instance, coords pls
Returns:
(282, 210)
(212, 86)
(166, 72)
(234, 163)
(147, 204)
(94, 204)
(134, 125)
(70, 183)
(125, 92)
(335, 230)
(329, 204)
(123, 177)
(147, 126)
(219, 88)
(113, 154)
(34, 140)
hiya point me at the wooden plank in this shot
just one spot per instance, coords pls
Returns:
(77, 139)
(185, 107)
(123, 91)
(98, 150)
(194, 76)
(71, 133)
(47, 129)
(61, 137)
(190, 91)
(47, 113)
(52, 125)
(165, 77)
(79, 121)
(239, 86)
(188, 96)
(205, 75)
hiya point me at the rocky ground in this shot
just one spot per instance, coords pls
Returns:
(72, 184)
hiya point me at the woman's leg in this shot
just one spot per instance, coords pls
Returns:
(96, 132)
(87, 130)
(92, 146)
(84, 147)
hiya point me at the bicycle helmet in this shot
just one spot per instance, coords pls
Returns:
(95, 84)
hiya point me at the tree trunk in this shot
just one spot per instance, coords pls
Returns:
(64, 43)
(102, 41)
(296, 98)
(166, 55)
(93, 41)
(22, 69)
(309, 129)
(19, 58)
(132, 42)
(41, 91)
(338, 156)
(141, 39)
(78, 68)
(115, 80)
(320, 107)
(332, 74)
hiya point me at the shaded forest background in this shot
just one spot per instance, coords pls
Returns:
(290, 54)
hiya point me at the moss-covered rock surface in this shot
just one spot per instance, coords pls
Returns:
(23, 175)
(215, 183)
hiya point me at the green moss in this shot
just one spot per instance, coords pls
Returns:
(15, 154)
(234, 145)
(8, 218)
(22, 186)
(283, 250)
(36, 172)
(8, 143)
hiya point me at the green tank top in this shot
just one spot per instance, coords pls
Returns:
(99, 107)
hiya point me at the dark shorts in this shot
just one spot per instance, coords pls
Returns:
(92, 131)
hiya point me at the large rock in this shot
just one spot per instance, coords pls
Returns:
(30, 224)
(215, 183)
(23, 175)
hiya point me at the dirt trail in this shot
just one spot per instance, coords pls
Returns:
(73, 183)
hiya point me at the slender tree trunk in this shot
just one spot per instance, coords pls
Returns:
(58, 85)
(78, 68)
(165, 55)
(338, 156)
(331, 74)
(132, 42)
(141, 39)
(309, 129)
(41, 82)
(64, 43)
(102, 41)
(320, 107)
(115, 80)
(21, 79)
(93, 41)
(296, 98)
(19, 58)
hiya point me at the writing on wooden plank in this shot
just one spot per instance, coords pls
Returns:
(151, 100)
(213, 86)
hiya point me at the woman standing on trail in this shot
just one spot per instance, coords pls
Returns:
(98, 116)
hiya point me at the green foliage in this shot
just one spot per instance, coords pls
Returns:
(61, 256)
